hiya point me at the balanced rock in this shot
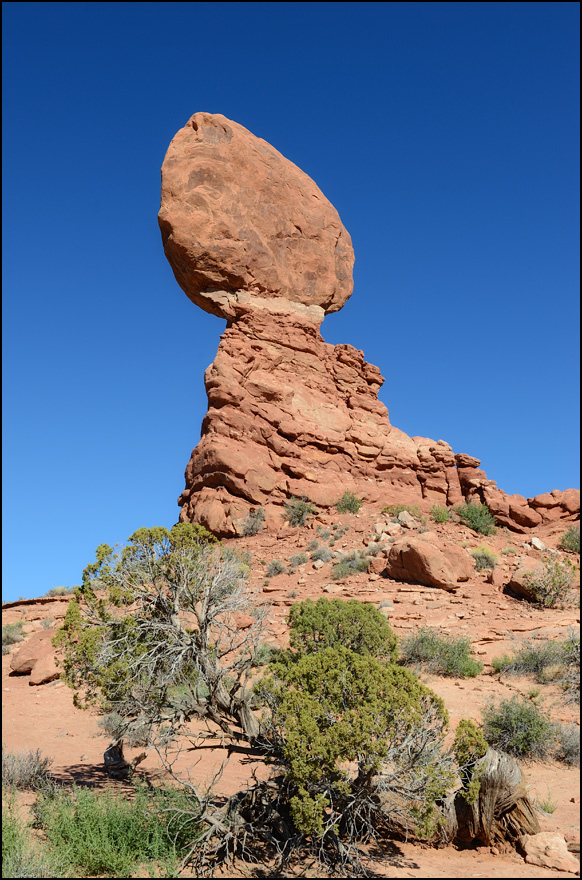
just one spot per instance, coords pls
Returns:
(240, 222)
(252, 239)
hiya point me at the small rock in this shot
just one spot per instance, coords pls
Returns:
(548, 850)
(319, 563)
(539, 545)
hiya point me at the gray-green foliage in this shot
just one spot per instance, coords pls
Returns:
(519, 727)
(484, 558)
(298, 559)
(274, 568)
(570, 540)
(546, 660)
(12, 633)
(568, 744)
(553, 584)
(22, 854)
(321, 553)
(477, 517)
(253, 523)
(440, 514)
(25, 770)
(348, 503)
(440, 653)
(297, 511)
(349, 564)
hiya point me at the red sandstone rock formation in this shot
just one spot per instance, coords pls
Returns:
(251, 238)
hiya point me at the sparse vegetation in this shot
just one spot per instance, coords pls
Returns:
(568, 744)
(440, 654)
(552, 586)
(22, 855)
(509, 551)
(519, 727)
(25, 770)
(12, 633)
(394, 509)
(297, 511)
(484, 558)
(546, 660)
(322, 553)
(547, 803)
(349, 564)
(274, 568)
(254, 522)
(60, 591)
(298, 559)
(102, 833)
(440, 514)
(570, 540)
(348, 503)
(312, 545)
(476, 517)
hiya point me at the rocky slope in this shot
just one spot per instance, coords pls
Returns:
(252, 239)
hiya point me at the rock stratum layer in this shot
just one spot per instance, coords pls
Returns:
(251, 238)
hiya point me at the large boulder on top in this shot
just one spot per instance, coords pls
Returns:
(429, 560)
(239, 221)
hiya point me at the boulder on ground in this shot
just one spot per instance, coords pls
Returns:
(37, 646)
(548, 850)
(429, 560)
(44, 670)
(520, 580)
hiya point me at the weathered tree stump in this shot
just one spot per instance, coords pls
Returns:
(116, 766)
(502, 810)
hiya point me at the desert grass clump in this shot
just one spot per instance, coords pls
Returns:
(476, 517)
(518, 727)
(298, 510)
(440, 654)
(321, 553)
(22, 855)
(253, 523)
(12, 633)
(348, 503)
(349, 564)
(312, 545)
(274, 568)
(440, 514)
(298, 559)
(394, 509)
(60, 591)
(551, 587)
(484, 558)
(546, 660)
(568, 744)
(570, 540)
(26, 770)
(509, 551)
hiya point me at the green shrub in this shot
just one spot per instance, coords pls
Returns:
(25, 770)
(339, 718)
(440, 654)
(568, 744)
(266, 653)
(324, 534)
(313, 545)
(22, 855)
(253, 523)
(476, 517)
(298, 559)
(297, 510)
(349, 564)
(12, 633)
(274, 568)
(551, 587)
(440, 514)
(348, 503)
(328, 623)
(509, 551)
(570, 540)
(321, 553)
(395, 509)
(547, 804)
(101, 833)
(518, 727)
(484, 558)
(469, 746)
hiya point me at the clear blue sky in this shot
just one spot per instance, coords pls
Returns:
(446, 135)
